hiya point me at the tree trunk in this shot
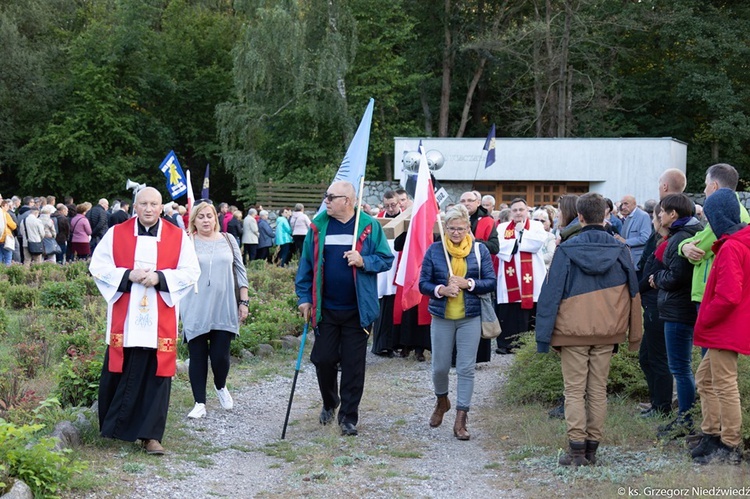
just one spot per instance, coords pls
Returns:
(427, 112)
(550, 108)
(562, 76)
(445, 92)
(470, 95)
(387, 157)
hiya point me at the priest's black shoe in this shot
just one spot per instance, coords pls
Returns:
(348, 429)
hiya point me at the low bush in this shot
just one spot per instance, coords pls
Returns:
(75, 270)
(535, 377)
(78, 379)
(30, 457)
(67, 295)
(21, 296)
(16, 274)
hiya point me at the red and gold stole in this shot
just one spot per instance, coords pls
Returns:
(167, 257)
(520, 288)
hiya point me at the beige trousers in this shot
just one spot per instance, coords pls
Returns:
(585, 370)
(716, 380)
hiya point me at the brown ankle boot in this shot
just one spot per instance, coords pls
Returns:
(576, 456)
(591, 447)
(442, 406)
(459, 427)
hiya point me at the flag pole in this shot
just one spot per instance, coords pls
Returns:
(442, 239)
(359, 203)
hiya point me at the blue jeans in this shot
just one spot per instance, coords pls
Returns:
(679, 339)
(7, 257)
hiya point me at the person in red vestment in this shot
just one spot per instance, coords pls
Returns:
(143, 268)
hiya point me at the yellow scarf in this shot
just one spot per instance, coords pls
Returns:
(455, 309)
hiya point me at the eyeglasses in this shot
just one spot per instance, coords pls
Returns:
(456, 229)
(391, 205)
(204, 200)
(331, 197)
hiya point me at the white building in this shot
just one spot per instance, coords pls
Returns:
(541, 170)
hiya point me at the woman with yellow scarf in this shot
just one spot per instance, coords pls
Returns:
(451, 278)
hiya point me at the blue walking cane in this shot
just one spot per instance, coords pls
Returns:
(294, 381)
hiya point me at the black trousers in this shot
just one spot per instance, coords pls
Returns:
(514, 320)
(652, 357)
(133, 404)
(340, 338)
(213, 345)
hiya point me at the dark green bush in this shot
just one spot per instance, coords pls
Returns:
(16, 274)
(21, 296)
(535, 377)
(89, 285)
(3, 322)
(78, 379)
(67, 295)
(76, 269)
(26, 455)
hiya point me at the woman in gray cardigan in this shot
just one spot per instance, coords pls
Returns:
(211, 316)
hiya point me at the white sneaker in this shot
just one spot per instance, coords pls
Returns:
(224, 398)
(199, 411)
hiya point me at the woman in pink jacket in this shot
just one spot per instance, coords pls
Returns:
(80, 233)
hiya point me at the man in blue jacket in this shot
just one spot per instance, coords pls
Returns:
(589, 274)
(337, 289)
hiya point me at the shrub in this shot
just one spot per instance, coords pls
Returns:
(78, 379)
(32, 355)
(21, 296)
(537, 377)
(68, 295)
(16, 274)
(534, 377)
(3, 322)
(31, 458)
(88, 285)
(76, 269)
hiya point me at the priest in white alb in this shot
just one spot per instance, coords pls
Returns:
(143, 268)
(520, 275)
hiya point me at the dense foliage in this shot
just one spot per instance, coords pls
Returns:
(270, 89)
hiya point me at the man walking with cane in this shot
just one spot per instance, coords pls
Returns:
(340, 298)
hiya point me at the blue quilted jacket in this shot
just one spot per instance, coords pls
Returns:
(435, 272)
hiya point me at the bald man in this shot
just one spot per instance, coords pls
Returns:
(143, 268)
(340, 298)
(636, 229)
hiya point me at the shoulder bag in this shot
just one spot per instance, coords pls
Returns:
(490, 324)
(234, 276)
(35, 248)
(50, 246)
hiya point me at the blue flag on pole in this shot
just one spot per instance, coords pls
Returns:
(489, 146)
(171, 169)
(352, 168)
(204, 191)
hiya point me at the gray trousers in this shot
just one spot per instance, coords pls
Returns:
(465, 334)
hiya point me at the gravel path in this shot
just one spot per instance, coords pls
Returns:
(395, 455)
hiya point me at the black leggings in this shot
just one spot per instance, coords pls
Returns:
(213, 345)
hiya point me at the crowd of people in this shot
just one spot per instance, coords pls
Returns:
(586, 275)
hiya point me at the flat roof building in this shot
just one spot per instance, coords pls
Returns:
(541, 169)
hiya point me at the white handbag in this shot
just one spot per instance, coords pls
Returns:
(10, 242)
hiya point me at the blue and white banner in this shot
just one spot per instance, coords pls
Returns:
(172, 170)
(353, 166)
